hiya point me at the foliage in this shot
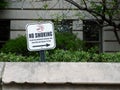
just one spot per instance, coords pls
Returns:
(63, 56)
(82, 56)
(3, 3)
(17, 46)
(63, 40)
(10, 57)
(68, 41)
(106, 57)
(68, 56)
(94, 49)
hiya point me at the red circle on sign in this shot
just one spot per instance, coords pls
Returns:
(40, 28)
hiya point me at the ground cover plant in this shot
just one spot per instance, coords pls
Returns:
(63, 56)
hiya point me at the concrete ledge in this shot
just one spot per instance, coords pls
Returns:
(61, 73)
(2, 65)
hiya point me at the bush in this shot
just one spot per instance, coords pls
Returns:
(57, 56)
(68, 41)
(3, 3)
(17, 46)
(106, 57)
(63, 56)
(69, 49)
(82, 56)
(10, 57)
(69, 56)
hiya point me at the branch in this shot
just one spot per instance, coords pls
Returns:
(85, 3)
(104, 7)
(91, 11)
(84, 8)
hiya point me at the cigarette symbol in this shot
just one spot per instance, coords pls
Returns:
(40, 28)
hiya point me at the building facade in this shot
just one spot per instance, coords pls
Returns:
(18, 13)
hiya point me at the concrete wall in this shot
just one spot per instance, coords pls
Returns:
(57, 76)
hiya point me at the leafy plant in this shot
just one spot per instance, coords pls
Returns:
(3, 3)
(65, 41)
(63, 56)
(68, 56)
(68, 41)
(17, 46)
(11, 57)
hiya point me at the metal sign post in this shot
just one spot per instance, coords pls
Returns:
(42, 56)
(40, 37)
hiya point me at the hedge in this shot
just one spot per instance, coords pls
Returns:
(63, 56)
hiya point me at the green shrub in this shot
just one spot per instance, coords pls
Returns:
(68, 56)
(105, 57)
(109, 57)
(63, 56)
(10, 57)
(69, 49)
(57, 56)
(17, 46)
(68, 41)
(3, 3)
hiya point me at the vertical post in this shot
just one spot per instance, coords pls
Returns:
(42, 55)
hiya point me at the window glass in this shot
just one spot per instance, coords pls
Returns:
(4, 31)
(92, 34)
(63, 25)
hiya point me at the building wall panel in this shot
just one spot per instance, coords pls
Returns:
(111, 47)
(15, 34)
(110, 35)
(79, 34)
(42, 14)
(20, 24)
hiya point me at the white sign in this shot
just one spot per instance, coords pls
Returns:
(40, 36)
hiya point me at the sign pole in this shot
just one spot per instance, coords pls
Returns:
(42, 56)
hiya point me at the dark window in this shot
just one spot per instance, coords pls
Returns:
(92, 34)
(63, 25)
(4, 31)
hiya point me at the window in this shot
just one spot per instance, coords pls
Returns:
(4, 31)
(63, 25)
(92, 34)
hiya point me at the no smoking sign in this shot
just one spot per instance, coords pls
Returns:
(40, 36)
